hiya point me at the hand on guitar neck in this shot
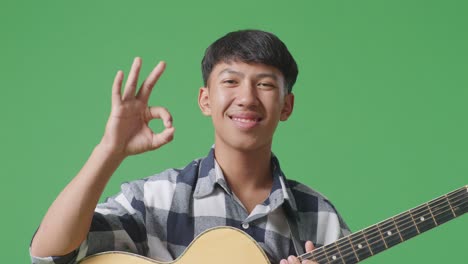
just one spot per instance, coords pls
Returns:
(309, 246)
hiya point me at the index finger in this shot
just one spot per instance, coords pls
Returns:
(162, 113)
(148, 84)
(130, 85)
(116, 95)
(309, 246)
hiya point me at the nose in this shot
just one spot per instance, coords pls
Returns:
(247, 95)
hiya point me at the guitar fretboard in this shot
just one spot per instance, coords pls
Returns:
(393, 231)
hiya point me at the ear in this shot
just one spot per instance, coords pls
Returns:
(288, 107)
(204, 101)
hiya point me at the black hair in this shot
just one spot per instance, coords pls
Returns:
(251, 46)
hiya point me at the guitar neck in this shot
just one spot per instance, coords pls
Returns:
(393, 231)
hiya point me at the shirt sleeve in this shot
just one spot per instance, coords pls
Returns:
(117, 225)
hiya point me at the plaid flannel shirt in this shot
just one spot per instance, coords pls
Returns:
(160, 215)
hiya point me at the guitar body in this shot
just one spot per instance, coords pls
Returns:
(225, 245)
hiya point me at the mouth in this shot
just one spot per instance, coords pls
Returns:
(246, 120)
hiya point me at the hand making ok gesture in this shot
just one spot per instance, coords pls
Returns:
(127, 131)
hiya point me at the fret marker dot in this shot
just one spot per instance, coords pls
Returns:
(389, 233)
(333, 257)
(422, 218)
(359, 246)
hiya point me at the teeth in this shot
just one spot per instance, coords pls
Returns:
(244, 120)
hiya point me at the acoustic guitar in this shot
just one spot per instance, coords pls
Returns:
(230, 245)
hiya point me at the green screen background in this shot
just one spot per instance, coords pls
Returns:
(379, 126)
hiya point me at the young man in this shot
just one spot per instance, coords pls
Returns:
(248, 76)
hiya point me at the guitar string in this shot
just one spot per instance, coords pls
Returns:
(352, 252)
(377, 234)
(340, 256)
(421, 211)
(335, 248)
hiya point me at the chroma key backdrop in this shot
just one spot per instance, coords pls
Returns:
(380, 123)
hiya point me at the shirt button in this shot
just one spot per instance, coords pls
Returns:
(245, 225)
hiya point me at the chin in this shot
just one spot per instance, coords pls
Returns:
(246, 143)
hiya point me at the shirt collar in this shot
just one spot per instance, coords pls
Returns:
(210, 175)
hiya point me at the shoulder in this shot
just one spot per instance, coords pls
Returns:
(314, 206)
(296, 186)
(308, 199)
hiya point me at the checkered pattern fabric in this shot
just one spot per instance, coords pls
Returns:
(160, 215)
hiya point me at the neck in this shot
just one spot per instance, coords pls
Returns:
(249, 169)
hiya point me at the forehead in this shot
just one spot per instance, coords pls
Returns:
(243, 69)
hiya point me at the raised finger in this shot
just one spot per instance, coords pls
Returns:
(116, 97)
(149, 83)
(161, 113)
(309, 246)
(130, 85)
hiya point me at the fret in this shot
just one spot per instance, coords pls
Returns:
(414, 222)
(360, 246)
(333, 254)
(423, 218)
(459, 201)
(441, 210)
(367, 242)
(349, 258)
(381, 235)
(461, 208)
(351, 246)
(339, 251)
(319, 256)
(389, 233)
(398, 230)
(432, 215)
(406, 225)
(374, 238)
(347, 252)
(451, 208)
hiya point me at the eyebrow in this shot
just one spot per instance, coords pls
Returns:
(264, 75)
(227, 70)
(260, 75)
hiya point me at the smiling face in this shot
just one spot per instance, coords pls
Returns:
(246, 102)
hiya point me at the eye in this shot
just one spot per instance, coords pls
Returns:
(229, 83)
(266, 85)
